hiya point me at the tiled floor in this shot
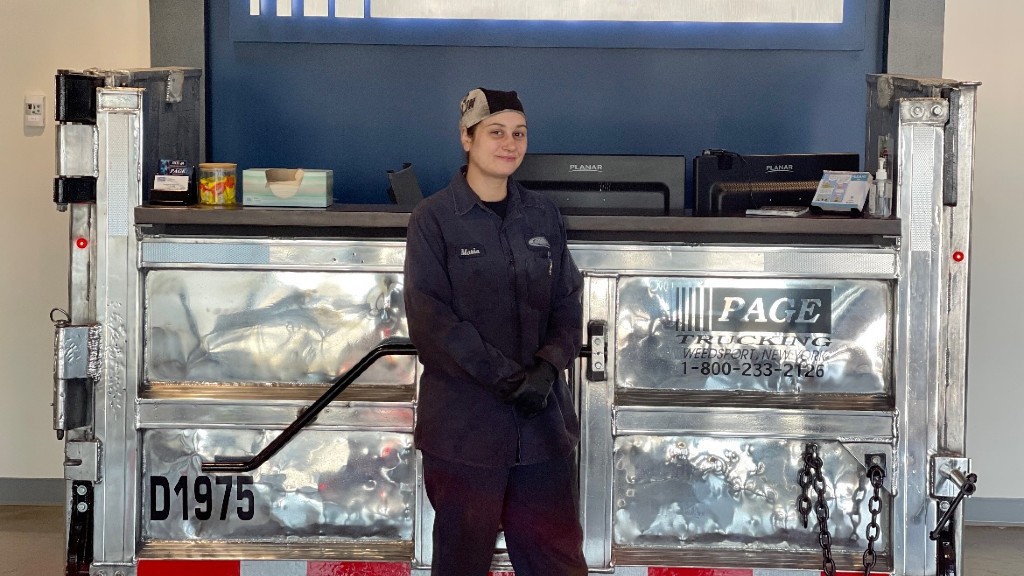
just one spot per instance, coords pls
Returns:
(31, 545)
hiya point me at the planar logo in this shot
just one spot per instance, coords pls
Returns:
(778, 168)
(586, 168)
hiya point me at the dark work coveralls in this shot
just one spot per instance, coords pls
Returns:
(485, 297)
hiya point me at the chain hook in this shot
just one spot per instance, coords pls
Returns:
(57, 321)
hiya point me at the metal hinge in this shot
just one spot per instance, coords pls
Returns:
(76, 363)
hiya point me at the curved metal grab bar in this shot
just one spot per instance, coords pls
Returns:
(389, 347)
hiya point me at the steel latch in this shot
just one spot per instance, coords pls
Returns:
(951, 478)
(597, 368)
(948, 475)
(82, 461)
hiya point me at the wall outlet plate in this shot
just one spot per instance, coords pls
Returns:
(35, 110)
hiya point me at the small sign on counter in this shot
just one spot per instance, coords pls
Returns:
(842, 191)
(174, 184)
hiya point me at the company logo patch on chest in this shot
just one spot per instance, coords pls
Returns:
(538, 242)
(471, 251)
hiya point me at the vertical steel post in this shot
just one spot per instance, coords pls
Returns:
(119, 191)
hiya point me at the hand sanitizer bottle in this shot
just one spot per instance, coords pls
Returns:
(883, 192)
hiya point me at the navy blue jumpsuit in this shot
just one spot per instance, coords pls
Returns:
(485, 297)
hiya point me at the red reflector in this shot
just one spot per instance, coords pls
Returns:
(194, 567)
(958, 256)
(81, 243)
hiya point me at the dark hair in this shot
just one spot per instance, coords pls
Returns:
(472, 133)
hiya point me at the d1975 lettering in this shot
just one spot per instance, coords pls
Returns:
(201, 497)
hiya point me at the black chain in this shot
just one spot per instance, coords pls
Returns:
(876, 475)
(803, 503)
(813, 463)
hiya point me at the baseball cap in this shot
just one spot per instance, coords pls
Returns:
(482, 102)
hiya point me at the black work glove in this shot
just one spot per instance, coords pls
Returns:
(531, 395)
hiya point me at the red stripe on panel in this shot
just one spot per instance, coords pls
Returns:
(659, 571)
(358, 569)
(666, 571)
(189, 568)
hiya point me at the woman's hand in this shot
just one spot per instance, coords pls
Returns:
(530, 397)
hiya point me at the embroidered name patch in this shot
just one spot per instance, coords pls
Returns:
(471, 251)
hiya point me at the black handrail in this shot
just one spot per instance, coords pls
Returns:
(388, 347)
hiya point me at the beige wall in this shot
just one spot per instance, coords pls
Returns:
(36, 38)
(983, 42)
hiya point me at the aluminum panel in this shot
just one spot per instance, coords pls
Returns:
(647, 259)
(324, 486)
(636, 259)
(736, 494)
(847, 426)
(292, 254)
(273, 415)
(754, 335)
(246, 326)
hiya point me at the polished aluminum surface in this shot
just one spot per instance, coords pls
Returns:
(72, 351)
(919, 330)
(710, 260)
(958, 165)
(81, 461)
(596, 404)
(956, 238)
(82, 273)
(722, 421)
(77, 150)
(377, 255)
(119, 191)
(324, 485)
(267, 414)
(734, 494)
(271, 326)
(709, 474)
(668, 336)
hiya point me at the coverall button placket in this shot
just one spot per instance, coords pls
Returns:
(513, 306)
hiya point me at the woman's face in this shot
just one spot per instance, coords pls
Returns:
(498, 144)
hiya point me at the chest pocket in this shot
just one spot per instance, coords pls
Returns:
(476, 282)
(539, 269)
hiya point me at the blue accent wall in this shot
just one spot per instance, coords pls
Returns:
(362, 109)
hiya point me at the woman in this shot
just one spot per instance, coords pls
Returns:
(493, 302)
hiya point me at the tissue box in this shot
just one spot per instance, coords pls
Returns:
(291, 187)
